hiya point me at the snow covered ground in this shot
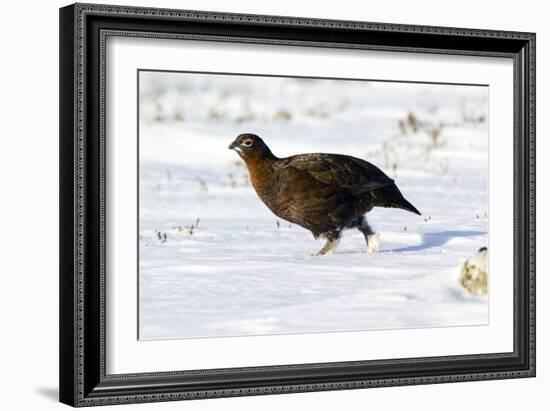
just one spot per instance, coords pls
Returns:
(214, 261)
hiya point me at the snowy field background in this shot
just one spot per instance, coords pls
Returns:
(214, 261)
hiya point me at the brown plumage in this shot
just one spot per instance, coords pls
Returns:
(324, 193)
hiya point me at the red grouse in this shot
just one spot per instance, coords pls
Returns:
(324, 193)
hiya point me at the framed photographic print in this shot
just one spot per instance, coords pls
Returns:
(261, 204)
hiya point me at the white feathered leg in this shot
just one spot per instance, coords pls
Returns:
(333, 239)
(373, 243)
(372, 238)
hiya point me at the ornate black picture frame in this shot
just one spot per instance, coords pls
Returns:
(83, 30)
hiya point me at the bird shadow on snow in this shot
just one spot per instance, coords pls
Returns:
(436, 239)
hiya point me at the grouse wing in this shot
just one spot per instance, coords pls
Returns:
(353, 174)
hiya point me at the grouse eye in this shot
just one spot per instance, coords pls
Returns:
(247, 143)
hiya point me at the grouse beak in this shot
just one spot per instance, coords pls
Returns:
(235, 146)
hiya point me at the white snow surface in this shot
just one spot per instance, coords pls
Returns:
(242, 270)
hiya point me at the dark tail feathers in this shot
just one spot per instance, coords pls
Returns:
(395, 199)
(405, 205)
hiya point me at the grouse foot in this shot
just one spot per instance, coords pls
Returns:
(373, 243)
(330, 246)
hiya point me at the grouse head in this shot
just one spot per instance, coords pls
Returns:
(251, 147)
